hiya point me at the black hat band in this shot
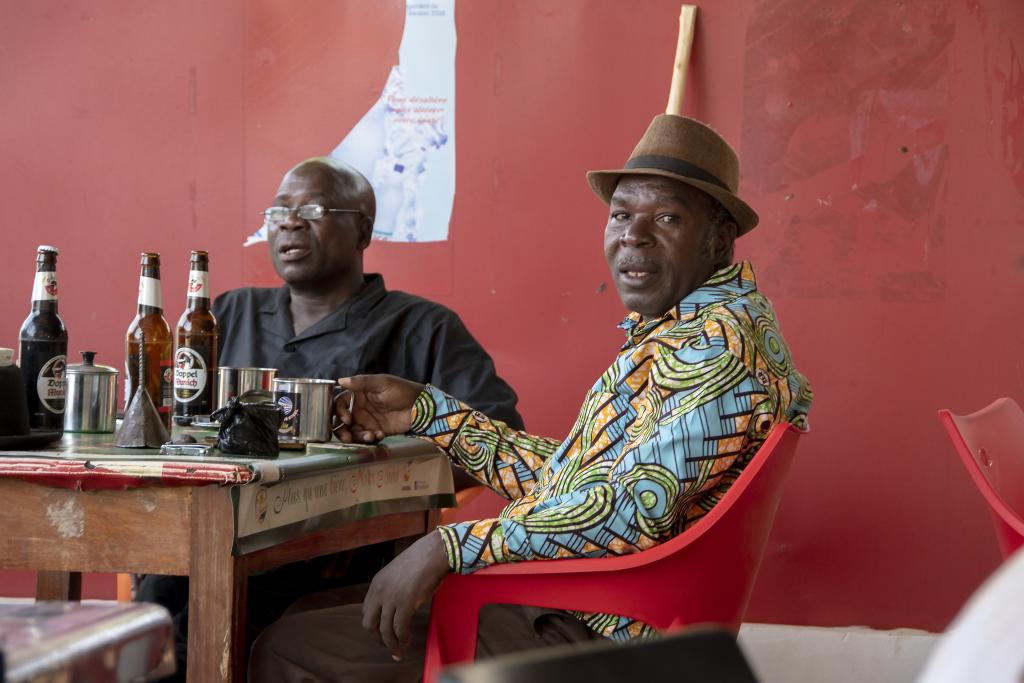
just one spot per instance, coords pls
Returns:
(677, 166)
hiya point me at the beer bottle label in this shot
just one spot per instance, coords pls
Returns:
(290, 404)
(166, 385)
(198, 284)
(190, 374)
(45, 286)
(149, 292)
(51, 384)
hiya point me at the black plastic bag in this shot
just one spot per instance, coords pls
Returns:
(248, 425)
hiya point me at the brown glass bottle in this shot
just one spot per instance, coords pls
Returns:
(44, 348)
(150, 328)
(195, 355)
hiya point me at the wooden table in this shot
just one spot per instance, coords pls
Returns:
(81, 508)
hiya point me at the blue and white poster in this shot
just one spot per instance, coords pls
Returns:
(405, 143)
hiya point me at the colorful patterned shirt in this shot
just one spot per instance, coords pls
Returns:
(661, 436)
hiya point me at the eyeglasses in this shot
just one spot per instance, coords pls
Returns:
(308, 212)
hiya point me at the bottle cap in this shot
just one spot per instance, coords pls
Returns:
(47, 247)
(6, 357)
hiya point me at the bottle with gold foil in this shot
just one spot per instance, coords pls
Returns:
(44, 348)
(150, 335)
(195, 355)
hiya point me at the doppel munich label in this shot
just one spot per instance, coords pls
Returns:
(51, 384)
(190, 374)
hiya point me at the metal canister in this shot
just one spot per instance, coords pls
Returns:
(91, 397)
(232, 382)
(306, 408)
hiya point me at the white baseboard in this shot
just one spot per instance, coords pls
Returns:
(811, 654)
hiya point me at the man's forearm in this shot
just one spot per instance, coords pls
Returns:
(507, 460)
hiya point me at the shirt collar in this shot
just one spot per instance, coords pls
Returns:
(369, 296)
(279, 319)
(724, 285)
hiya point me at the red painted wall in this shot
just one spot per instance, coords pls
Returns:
(883, 144)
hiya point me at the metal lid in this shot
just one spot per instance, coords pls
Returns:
(6, 357)
(89, 368)
(47, 247)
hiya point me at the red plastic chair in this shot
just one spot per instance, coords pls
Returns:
(991, 445)
(704, 575)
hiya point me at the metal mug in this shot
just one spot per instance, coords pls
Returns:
(232, 382)
(306, 408)
(91, 397)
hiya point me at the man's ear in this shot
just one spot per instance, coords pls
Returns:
(365, 232)
(724, 239)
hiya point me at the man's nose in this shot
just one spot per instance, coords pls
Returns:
(293, 222)
(638, 232)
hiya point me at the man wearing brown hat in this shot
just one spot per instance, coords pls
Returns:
(662, 434)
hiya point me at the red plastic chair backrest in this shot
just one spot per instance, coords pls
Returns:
(990, 443)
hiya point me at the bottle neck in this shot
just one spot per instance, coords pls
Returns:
(151, 299)
(197, 303)
(198, 290)
(149, 310)
(44, 292)
(44, 306)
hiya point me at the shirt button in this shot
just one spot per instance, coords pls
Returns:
(289, 348)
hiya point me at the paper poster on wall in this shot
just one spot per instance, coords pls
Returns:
(405, 143)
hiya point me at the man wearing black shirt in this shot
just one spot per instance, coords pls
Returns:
(331, 320)
(377, 329)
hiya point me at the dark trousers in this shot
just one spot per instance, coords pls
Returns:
(321, 639)
(269, 594)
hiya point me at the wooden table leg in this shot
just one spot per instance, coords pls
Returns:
(433, 519)
(58, 585)
(217, 586)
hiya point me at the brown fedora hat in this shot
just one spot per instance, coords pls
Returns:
(690, 152)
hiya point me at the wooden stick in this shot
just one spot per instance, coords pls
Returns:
(687, 21)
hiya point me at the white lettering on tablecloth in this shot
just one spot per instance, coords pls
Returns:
(261, 508)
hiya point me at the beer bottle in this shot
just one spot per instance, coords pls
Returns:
(195, 357)
(150, 331)
(44, 348)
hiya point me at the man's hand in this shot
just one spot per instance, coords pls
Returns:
(401, 587)
(374, 406)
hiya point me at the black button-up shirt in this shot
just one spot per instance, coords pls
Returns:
(375, 331)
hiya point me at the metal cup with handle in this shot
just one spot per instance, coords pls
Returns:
(307, 406)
